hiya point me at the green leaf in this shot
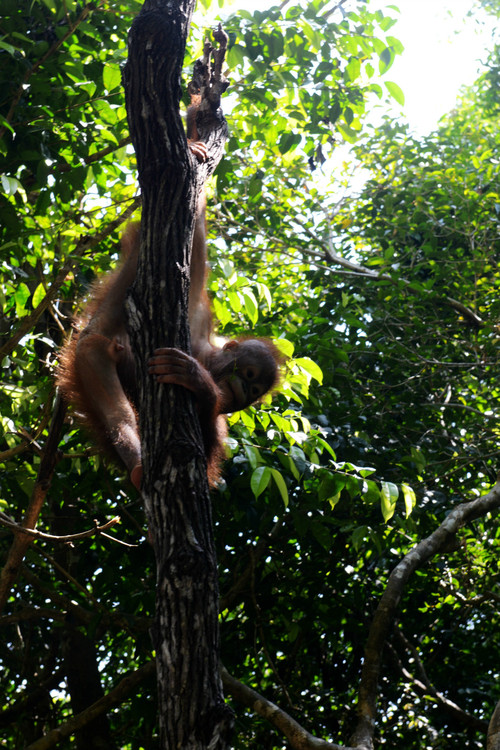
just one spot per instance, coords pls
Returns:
(327, 447)
(330, 488)
(358, 536)
(280, 483)
(111, 76)
(350, 135)
(251, 306)
(8, 47)
(286, 347)
(370, 491)
(409, 497)
(389, 495)
(259, 480)
(21, 296)
(222, 312)
(253, 454)
(234, 299)
(289, 141)
(307, 364)
(9, 184)
(395, 91)
(38, 295)
(419, 458)
(386, 60)
(352, 70)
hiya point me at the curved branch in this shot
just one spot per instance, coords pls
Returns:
(469, 314)
(92, 158)
(386, 610)
(423, 686)
(327, 252)
(297, 736)
(124, 688)
(34, 534)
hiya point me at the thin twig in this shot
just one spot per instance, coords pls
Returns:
(18, 529)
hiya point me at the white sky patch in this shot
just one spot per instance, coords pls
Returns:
(443, 51)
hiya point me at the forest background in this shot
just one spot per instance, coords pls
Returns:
(381, 291)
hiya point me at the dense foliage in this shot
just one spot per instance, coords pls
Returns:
(380, 285)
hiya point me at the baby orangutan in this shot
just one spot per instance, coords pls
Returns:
(97, 371)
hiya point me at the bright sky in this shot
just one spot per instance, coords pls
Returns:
(442, 53)
(443, 50)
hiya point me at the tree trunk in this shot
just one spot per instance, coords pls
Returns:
(175, 490)
(84, 685)
(493, 740)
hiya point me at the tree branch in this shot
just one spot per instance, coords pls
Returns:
(423, 686)
(125, 687)
(386, 610)
(296, 735)
(34, 534)
(469, 314)
(47, 465)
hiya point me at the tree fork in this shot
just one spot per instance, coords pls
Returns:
(191, 703)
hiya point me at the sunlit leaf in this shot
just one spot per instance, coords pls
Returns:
(409, 498)
(395, 91)
(389, 495)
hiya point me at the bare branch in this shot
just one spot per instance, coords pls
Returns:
(423, 686)
(92, 158)
(34, 534)
(469, 314)
(47, 465)
(296, 735)
(124, 688)
(385, 613)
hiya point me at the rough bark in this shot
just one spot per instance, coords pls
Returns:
(493, 740)
(191, 703)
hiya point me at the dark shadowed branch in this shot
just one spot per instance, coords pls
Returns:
(385, 613)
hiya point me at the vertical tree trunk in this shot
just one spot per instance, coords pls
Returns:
(84, 685)
(191, 703)
(493, 739)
